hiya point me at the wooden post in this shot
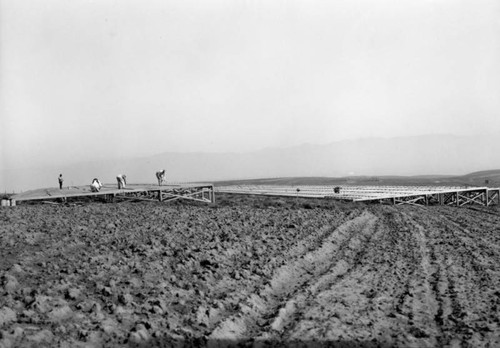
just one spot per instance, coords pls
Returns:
(160, 198)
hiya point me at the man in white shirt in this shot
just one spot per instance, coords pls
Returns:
(96, 185)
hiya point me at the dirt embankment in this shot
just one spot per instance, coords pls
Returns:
(250, 269)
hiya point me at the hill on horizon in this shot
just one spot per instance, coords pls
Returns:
(429, 155)
(471, 179)
(489, 178)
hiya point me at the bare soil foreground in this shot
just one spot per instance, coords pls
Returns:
(261, 271)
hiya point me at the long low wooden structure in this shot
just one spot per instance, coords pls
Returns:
(417, 195)
(201, 192)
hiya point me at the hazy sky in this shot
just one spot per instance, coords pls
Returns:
(143, 77)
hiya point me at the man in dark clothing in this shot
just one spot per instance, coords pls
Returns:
(61, 180)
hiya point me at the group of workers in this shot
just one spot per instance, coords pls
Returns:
(121, 179)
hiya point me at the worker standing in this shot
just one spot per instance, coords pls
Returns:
(61, 180)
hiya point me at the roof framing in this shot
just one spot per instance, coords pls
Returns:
(413, 195)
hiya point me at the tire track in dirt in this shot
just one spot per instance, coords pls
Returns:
(364, 302)
(386, 290)
(468, 289)
(253, 318)
(482, 246)
(491, 210)
(476, 228)
(312, 228)
(482, 255)
(288, 324)
(348, 259)
(423, 302)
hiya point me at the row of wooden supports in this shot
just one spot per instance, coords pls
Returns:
(203, 194)
(483, 197)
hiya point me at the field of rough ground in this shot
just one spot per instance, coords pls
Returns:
(261, 271)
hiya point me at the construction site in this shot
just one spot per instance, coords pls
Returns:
(205, 192)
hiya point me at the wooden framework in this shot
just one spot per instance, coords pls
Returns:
(482, 195)
(413, 195)
(203, 194)
(167, 193)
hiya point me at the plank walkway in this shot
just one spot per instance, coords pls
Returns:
(203, 192)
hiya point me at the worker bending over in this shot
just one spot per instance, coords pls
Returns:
(96, 185)
(160, 175)
(122, 180)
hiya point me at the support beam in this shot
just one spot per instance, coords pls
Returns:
(472, 197)
(493, 196)
(410, 200)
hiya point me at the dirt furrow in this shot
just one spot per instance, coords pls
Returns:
(347, 262)
(292, 323)
(474, 230)
(491, 210)
(465, 287)
(312, 234)
(286, 281)
(422, 302)
(481, 255)
(377, 303)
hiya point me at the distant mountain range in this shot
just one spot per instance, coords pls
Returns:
(403, 156)
(490, 178)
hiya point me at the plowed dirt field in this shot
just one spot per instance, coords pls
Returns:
(250, 270)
